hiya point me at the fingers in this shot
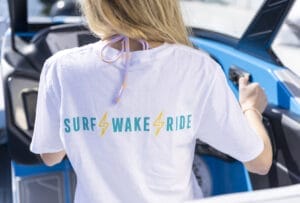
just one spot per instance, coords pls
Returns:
(263, 99)
(243, 81)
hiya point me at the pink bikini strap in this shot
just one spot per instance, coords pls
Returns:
(125, 50)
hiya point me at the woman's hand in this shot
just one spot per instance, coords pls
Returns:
(251, 95)
(253, 102)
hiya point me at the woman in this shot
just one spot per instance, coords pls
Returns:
(128, 109)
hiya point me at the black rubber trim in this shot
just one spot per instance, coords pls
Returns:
(18, 140)
(5, 175)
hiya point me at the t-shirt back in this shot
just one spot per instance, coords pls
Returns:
(140, 149)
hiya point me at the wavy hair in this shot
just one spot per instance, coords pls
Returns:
(150, 20)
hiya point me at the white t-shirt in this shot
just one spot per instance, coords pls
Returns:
(140, 149)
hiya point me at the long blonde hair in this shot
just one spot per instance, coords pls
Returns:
(151, 20)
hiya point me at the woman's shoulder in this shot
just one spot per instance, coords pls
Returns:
(195, 58)
(191, 50)
(72, 56)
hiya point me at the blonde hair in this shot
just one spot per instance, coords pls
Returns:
(151, 20)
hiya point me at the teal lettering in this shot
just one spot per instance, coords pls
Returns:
(127, 125)
(182, 122)
(67, 123)
(146, 123)
(117, 124)
(189, 121)
(137, 126)
(93, 123)
(169, 124)
(76, 124)
(85, 123)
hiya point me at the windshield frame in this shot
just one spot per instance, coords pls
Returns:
(23, 28)
(19, 23)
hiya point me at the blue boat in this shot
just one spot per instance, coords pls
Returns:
(245, 39)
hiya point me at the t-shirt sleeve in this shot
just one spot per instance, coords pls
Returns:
(46, 138)
(223, 124)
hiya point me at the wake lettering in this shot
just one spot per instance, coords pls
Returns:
(128, 124)
(104, 124)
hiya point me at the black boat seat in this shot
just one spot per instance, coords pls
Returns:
(55, 38)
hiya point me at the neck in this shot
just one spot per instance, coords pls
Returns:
(135, 45)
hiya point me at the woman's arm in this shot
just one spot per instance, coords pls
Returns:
(263, 162)
(51, 159)
(253, 102)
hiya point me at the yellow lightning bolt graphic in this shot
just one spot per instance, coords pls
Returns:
(158, 123)
(103, 124)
